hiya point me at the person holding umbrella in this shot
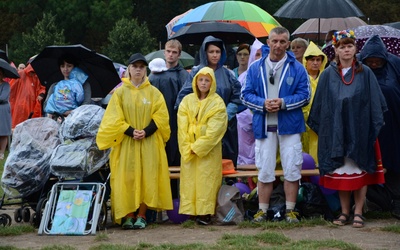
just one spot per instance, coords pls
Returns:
(276, 88)
(213, 54)
(6, 71)
(347, 115)
(71, 92)
(386, 67)
(136, 127)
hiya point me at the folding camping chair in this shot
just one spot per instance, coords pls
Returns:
(73, 208)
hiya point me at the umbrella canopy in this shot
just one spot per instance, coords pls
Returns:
(309, 29)
(250, 16)
(228, 32)
(394, 25)
(3, 55)
(307, 9)
(173, 21)
(186, 60)
(102, 74)
(390, 37)
(9, 71)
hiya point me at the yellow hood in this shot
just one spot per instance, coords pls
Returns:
(313, 50)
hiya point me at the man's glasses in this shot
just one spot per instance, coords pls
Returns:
(271, 77)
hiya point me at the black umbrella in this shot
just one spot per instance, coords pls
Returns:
(306, 9)
(9, 71)
(230, 33)
(101, 71)
(394, 25)
(3, 55)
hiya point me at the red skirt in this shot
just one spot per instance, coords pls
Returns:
(350, 182)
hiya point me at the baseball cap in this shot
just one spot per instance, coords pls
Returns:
(137, 57)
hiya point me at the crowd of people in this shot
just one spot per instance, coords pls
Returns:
(283, 98)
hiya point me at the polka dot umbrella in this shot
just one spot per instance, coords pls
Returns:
(390, 37)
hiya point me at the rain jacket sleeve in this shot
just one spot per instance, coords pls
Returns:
(113, 125)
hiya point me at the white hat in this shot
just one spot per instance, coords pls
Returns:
(158, 65)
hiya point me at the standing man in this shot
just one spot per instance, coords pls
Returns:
(170, 83)
(276, 88)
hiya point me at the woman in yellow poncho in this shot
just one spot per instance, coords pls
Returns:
(314, 60)
(136, 126)
(202, 122)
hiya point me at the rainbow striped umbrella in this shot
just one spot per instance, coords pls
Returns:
(248, 15)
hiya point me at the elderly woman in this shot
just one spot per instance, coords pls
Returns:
(298, 47)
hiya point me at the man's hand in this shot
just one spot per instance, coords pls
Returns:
(273, 105)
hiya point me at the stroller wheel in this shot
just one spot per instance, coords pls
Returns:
(26, 214)
(18, 215)
(39, 211)
(102, 222)
(5, 220)
(33, 220)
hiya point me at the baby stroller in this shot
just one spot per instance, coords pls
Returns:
(77, 203)
(26, 176)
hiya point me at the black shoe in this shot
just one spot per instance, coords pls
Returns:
(203, 220)
(395, 209)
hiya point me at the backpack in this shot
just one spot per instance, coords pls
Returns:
(311, 202)
(229, 209)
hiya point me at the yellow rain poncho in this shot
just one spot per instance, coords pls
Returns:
(310, 138)
(201, 126)
(139, 168)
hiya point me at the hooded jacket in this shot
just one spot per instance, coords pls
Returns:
(228, 88)
(139, 168)
(310, 139)
(388, 78)
(23, 96)
(294, 88)
(201, 126)
(347, 118)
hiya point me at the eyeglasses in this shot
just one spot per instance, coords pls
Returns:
(243, 54)
(271, 76)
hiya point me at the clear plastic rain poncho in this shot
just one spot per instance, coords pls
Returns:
(78, 155)
(27, 166)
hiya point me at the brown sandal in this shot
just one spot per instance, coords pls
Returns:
(342, 222)
(358, 223)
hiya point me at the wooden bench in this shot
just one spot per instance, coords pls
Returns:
(244, 171)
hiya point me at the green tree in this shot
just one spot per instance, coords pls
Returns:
(128, 37)
(43, 34)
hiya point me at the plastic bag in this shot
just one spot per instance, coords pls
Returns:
(229, 206)
(27, 167)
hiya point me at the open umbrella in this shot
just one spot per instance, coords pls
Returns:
(102, 74)
(309, 29)
(229, 32)
(306, 9)
(173, 21)
(250, 16)
(186, 60)
(394, 25)
(3, 55)
(9, 71)
(390, 37)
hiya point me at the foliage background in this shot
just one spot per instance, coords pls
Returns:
(118, 28)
